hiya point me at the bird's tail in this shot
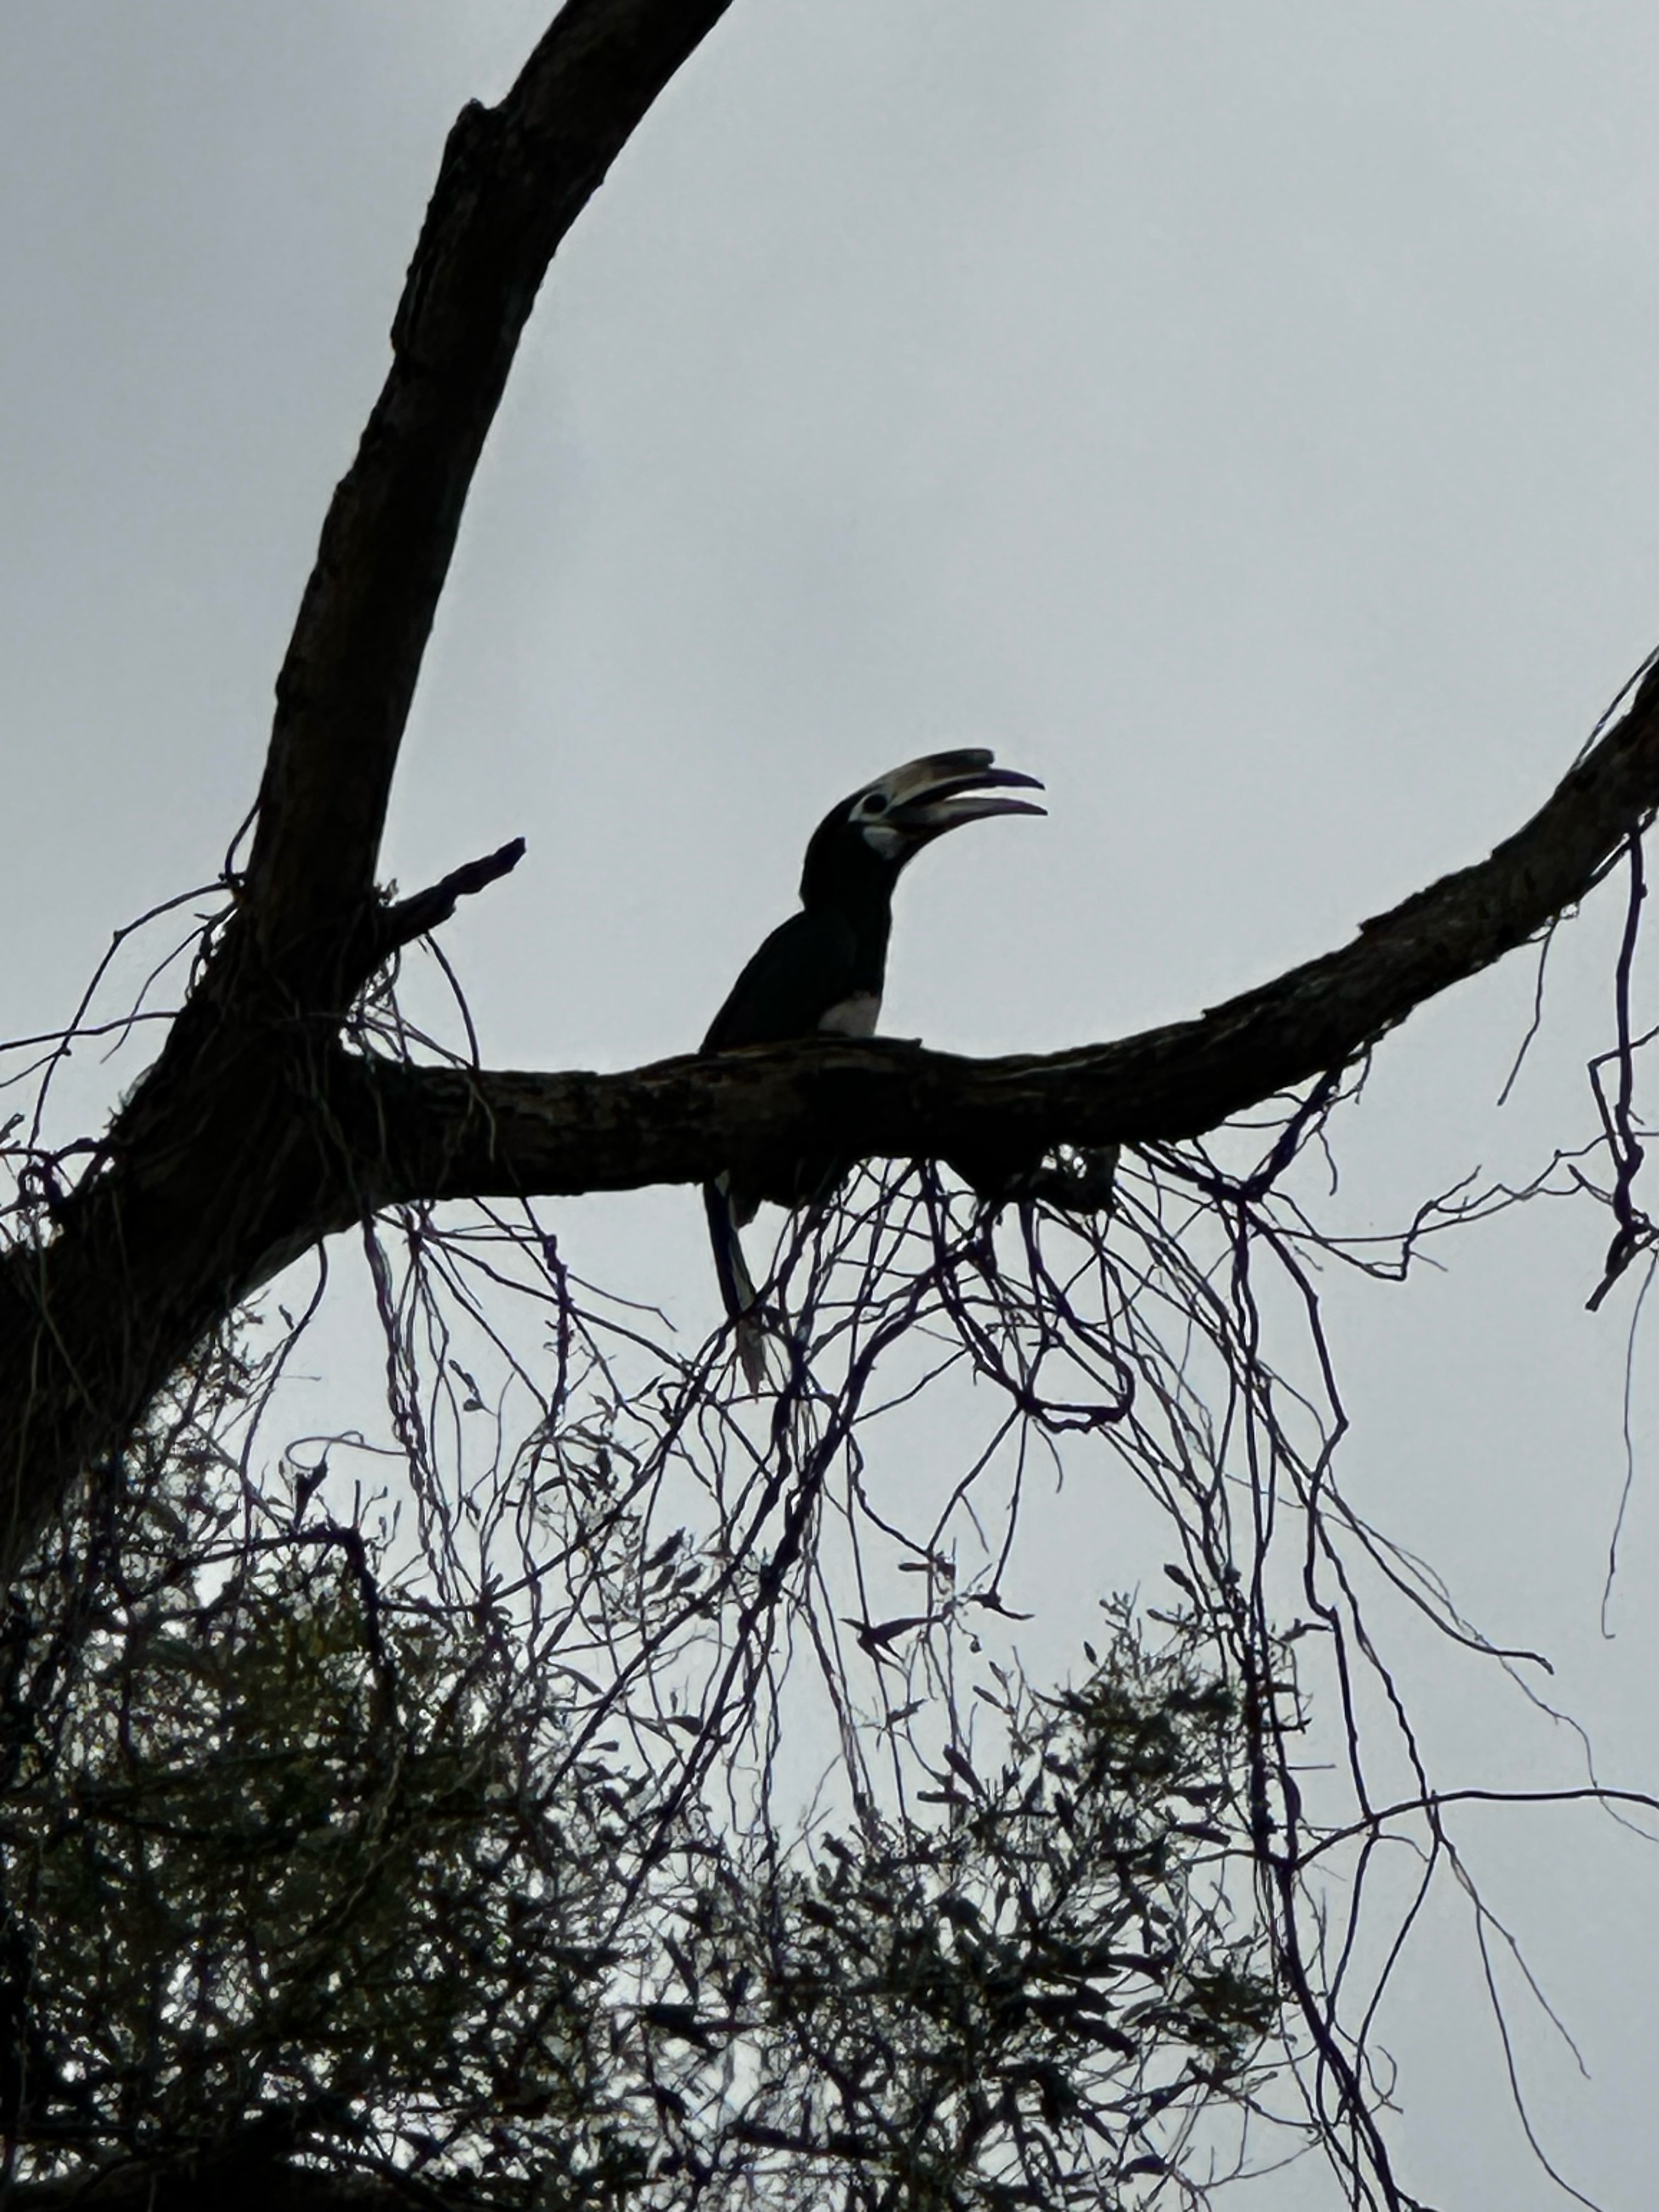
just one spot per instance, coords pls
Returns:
(738, 1292)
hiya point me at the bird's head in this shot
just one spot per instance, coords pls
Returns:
(884, 825)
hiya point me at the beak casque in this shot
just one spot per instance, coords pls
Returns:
(929, 796)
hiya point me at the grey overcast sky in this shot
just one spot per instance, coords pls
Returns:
(1243, 413)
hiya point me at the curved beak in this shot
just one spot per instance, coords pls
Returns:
(944, 790)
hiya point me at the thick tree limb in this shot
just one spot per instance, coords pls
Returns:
(444, 1133)
(512, 181)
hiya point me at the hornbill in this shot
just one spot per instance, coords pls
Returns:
(822, 970)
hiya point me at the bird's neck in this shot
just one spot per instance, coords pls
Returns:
(859, 892)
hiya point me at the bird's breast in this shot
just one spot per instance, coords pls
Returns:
(854, 1016)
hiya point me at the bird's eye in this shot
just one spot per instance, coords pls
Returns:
(874, 803)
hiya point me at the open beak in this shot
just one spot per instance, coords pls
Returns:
(941, 792)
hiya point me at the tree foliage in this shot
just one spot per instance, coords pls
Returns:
(297, 1858)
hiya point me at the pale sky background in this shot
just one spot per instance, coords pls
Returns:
(1242, 413)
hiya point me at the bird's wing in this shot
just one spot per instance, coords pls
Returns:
(807, 967)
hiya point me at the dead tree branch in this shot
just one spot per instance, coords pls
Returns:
(429, 910)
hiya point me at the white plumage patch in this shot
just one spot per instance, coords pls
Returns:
(891, 844)
(854, 1017)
